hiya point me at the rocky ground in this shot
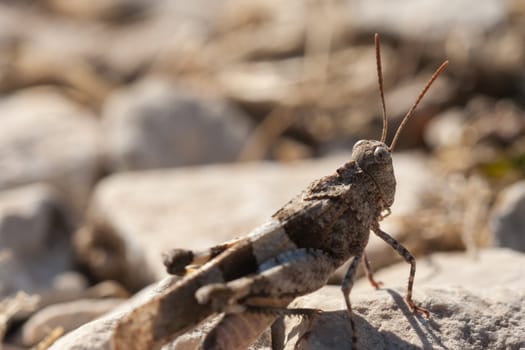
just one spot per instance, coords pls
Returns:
(130, 127)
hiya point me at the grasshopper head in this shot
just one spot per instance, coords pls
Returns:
(375, 159)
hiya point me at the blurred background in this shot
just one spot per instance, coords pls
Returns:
(131, 126)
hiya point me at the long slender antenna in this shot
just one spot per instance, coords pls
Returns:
(381, 92)
(411, 110)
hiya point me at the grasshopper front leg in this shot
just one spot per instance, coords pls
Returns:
(239, 330)
(409, 258)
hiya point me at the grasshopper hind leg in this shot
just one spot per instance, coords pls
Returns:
(292, 273)
(238, 330)
(308, 314)
(409, 258)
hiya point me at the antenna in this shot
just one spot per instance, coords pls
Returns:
(380, 81)
(411, 110)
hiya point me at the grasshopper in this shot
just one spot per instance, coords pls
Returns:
(251, 280)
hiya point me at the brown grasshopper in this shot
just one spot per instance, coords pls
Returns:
(251, 280)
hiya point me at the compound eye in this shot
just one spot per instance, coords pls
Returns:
(381, 154)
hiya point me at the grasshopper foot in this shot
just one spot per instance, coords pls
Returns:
(417, 309)
(374, 283)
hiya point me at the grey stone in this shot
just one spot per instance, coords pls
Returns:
(156, 124)
(254, 29)
(508, 218)
(91, 58)
(99, 10)
(35, 233)
(417, 19)
(70, 286)
(11, 306)
(67, 316)
(446, 129)
(48, 138)
(274, 82)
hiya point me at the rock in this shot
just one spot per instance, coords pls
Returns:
(174, 37)
(35, 232)
(460, 319)
(508, 218)
(446, 129)
(155, 124)
(10, 307)
(474, 304)
(77, 288)
(53, 51)
(12, 347)
(261, 83)
(351, 75)
(98, 10)
(418, 20)
(97, 333)
(47, 138)
(67, 316)
(198, 207)
(492, 267)
(92, 58)
(257, 29)
(67, 288)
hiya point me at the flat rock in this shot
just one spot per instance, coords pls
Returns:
(508, 218)
(156, 124)
(35, 237)
(461, 318)
(478, 308)
(134, 217)
(48, 138)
